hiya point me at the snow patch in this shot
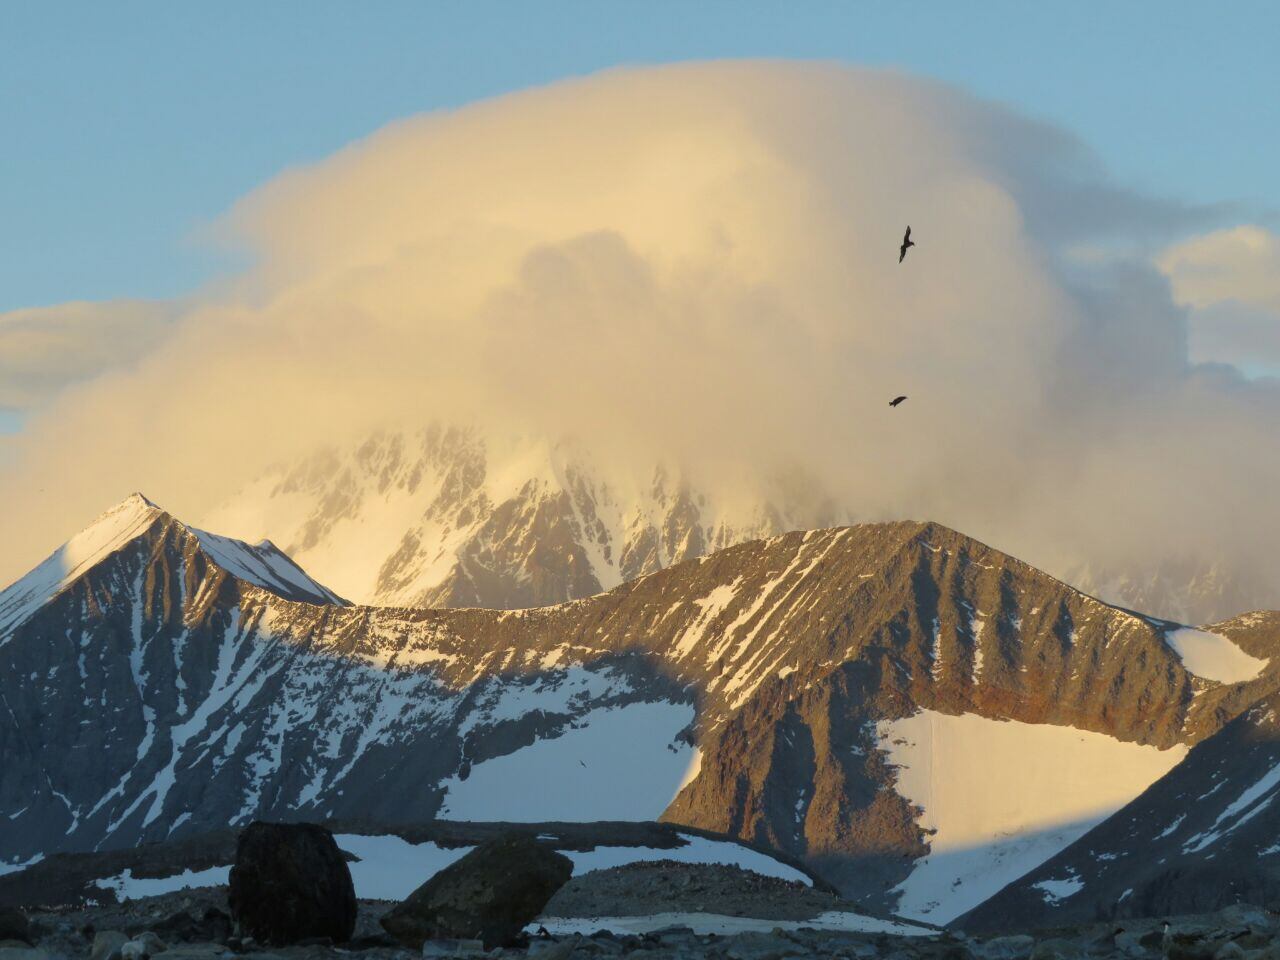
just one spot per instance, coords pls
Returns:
(129, 887)
(265, 566)
(1002, 797)
(583, 774)
(1213, 657)
(1057, 890)
(391, 868)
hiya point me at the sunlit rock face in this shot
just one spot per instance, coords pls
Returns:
(752, 691)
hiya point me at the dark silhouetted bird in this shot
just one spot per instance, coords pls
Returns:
(906, 242)
(896, 400)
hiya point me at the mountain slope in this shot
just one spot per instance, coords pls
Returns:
(751, 692)
(1205, 836)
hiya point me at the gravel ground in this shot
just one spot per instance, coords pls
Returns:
(664, 886)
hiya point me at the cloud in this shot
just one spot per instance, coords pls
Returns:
(699, 262)
(43, 350)
(1230, 282)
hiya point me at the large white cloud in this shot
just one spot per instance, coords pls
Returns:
(701, 262)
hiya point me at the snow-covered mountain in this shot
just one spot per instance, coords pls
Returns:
(263, 564)
(447, 517)
(810, 692)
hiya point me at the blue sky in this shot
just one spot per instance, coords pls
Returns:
(129, 126)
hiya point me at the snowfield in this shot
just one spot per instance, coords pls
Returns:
(1213, 657)
(620, 763)
(391, 868)
(1002, 797)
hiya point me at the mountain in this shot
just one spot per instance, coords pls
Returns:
(1203, 837)
(446, 517)
(1187, 589)
(263, 564)
(810, 692)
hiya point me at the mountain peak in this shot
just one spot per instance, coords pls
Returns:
(110, 531)
(136, 501)
(134, 517)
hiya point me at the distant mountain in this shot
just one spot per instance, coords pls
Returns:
(808, 692)
(448, 518)
(1188, 590)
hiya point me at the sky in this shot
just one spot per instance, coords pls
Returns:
(131, 126)
(234, 234)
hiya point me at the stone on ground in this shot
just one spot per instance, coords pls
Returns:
(491, 894)
(289, 883)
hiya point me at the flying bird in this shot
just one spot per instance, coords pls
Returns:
(906, 242)
(896, 400)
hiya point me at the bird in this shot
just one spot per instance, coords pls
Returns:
(582, 763)
(896, 400)
(906, 242)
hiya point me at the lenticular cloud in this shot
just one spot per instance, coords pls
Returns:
(699, 263)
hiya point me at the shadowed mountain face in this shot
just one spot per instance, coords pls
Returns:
(154, 693)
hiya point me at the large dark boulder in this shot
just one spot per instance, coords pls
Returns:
(14, 925)
(290, 882)
(491, 894)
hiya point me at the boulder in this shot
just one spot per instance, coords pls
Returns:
(142, 947)
(290, 882)
(490, 894)
(107, 945)
(14, 925)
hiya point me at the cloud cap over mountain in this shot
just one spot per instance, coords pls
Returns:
(699, 262)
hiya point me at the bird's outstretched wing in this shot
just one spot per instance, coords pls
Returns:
(906, 237)
(902, 252)
(896, 400)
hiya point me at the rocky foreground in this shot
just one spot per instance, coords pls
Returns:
(196, 925)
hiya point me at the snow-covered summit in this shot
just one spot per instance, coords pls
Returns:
(123, 523)
(131, 519)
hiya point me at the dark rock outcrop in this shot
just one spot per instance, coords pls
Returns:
(14, 925)
(490, 894)
(290, 882)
